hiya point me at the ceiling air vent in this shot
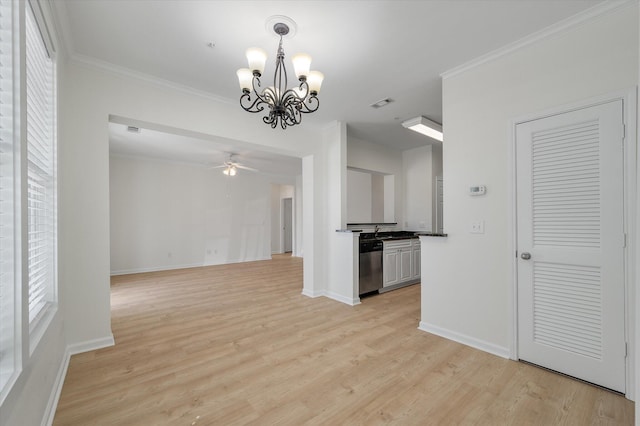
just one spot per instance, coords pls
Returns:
(381, 103)
(133, 129)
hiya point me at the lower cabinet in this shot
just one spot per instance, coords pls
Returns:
(401, 261)
(416, 259)
(391, 267)
(406, 264)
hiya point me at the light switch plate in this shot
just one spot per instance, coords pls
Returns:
(477, 227)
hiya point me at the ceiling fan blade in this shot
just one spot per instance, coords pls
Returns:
(251, 169)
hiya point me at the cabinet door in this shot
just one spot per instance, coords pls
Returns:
(406, 263)
(416, 263)
(391, 267)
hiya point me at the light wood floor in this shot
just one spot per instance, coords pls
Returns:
(239, 344)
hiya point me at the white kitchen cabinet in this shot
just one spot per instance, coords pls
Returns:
(406, 264)
(416, 259)
(391, 267)
(399, 266)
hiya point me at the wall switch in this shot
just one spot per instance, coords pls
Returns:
(477, 227)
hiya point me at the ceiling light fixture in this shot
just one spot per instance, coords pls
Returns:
(425, 126)
(285, 106)
(230, 170)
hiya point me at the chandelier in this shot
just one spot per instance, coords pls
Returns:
(285, 106)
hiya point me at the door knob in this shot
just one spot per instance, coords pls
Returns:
(526, 256)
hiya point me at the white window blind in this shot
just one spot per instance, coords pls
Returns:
(41, 171)
(7, 251)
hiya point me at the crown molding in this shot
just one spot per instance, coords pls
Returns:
(117, 70)
(573, 21)
(58, 10)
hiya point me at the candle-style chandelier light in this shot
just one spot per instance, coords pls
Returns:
(285, 106)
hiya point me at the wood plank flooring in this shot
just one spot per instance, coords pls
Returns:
(239, 344)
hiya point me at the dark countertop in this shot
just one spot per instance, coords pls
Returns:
(374, 223)
(430, 234)
(388, 236)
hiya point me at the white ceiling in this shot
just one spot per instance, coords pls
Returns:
(368, 50)
(197, 149)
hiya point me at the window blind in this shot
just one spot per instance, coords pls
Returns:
(7, 251)
(41, 171)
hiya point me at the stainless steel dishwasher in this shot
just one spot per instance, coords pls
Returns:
(370, 266)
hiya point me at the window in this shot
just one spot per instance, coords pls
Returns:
(27, 191)
(41, 175)
(8, 348)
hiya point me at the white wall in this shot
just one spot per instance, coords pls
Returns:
(91, 96)
(359, 192)
(167, 215)
(377, 198)
(341, 247)
(436, 170)
(287, 191)
(276, 247)
(418, 184)
(376, 158)
(636, 305)
(278, 194)
(298, 248)
(472, 303)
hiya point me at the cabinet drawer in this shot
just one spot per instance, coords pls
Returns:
(398, 244)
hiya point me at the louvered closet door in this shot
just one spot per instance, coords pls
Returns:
(570, 222)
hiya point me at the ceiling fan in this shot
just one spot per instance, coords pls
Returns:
(230, 166)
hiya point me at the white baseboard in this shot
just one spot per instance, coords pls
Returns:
(155, 269)
(76, 348)
(52, 404)
(185, 266)
(343, 299)
(91, 345)
(312, 294)
(331, 295)
(465, 340)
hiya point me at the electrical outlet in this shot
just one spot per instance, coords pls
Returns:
(477, 227)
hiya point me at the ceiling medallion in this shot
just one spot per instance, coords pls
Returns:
(285, 106)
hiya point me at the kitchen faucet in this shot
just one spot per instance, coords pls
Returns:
(375, 230)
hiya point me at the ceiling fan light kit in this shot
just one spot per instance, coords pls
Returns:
(230, 166)
(230, 170)
(285, 106)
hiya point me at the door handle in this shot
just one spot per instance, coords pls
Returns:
(526, 256)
